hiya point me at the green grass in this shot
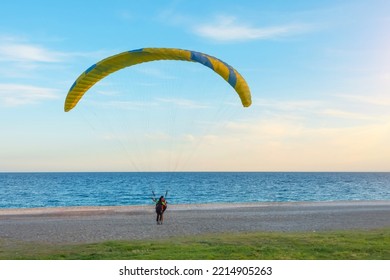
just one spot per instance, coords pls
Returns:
(367, 245)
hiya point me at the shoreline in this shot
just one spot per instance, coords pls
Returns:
(178, 207)
(72, 225)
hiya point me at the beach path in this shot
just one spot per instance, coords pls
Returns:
(95, 224)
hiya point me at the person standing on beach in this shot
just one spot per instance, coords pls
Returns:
(161, 206)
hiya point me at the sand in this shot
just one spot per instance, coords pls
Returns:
(94, 224)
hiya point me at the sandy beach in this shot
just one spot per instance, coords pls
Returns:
(94, 224)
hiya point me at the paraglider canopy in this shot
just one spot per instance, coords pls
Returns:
(117, 62)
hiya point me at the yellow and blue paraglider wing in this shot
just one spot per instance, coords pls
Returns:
(117, 62)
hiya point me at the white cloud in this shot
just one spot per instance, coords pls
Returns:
(20, 58)
(227, 28)
(377, 99)
(291, 145)
(11, 50)
(17, 95)
(358, 108)
(22, 52)
(385, 76)
(343, 114)
(287, 105)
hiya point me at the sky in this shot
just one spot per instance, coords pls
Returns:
(319, 74)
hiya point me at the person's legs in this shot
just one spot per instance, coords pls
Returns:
(158, 217)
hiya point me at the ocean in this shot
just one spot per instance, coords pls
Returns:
(30, 190)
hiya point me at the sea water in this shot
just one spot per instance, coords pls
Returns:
(28, 190)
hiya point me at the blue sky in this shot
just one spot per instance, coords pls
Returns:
(319, 73)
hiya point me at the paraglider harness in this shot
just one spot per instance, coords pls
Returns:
(161, 203)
